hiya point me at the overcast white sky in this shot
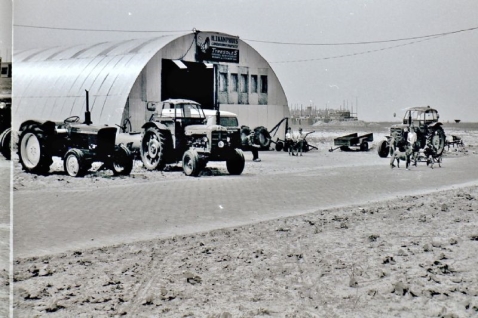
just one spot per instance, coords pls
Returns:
(440, 72)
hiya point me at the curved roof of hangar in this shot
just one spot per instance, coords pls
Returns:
(50, 83)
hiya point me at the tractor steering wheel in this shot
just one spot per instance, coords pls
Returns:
(72, 119)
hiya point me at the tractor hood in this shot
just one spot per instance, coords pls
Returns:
(202, 129)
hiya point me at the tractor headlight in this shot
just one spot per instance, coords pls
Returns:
(228, 139)
(204, 139)
(220, 144)
(3, 105)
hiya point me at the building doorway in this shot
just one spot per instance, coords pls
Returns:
(188, 80)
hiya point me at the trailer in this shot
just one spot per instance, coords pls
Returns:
(352, 142)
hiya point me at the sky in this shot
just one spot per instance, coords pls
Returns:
(376, 80)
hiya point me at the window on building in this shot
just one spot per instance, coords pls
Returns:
(253, 83)
(264, 84)
(223, 82)
(234, 83)
(244, 83)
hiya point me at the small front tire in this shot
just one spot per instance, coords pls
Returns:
(191, 164)
(235, 164)
(74, 163)
(383, 149)
(122, 161)
(364, 146)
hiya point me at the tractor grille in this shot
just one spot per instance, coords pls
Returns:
(396, 133)
(217, 136)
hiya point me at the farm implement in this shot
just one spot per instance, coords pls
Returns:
(352, 142)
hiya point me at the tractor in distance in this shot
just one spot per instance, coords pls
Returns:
(78, 144)
(180, 130)
(424, 121)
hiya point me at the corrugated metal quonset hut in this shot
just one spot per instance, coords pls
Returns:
(123, 77)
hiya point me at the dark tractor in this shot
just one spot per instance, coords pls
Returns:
(182, 131)
(5, 126)
(78, 144)
(424, 122)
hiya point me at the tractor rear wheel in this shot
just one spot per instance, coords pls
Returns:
(152, 149)
(33, 152)
(191, 164)
(235, 164)
(5, 143)
(74, 163)
(437, 140)
(122, 161)
(383, 149)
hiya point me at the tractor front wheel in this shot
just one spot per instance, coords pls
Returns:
(191, 164)
(33, 151)
(122, 161)
(235, 164)
(74, 163)
(152, 149)
(383, 149)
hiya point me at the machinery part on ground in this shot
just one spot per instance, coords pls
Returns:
(383, 149)
(122, 161)
(191, 164)
(75, 163)
(6, 143)
(33, 152)
(235, 164)
(152, 149)
(262, 136)
(279, 145)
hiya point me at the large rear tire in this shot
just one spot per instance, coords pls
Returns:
(74, 163)
(122, 161)
(152, 149)
(33, 152)
(191, 164)
(235, 164)
(5, 143)
(437, 139)
(383, 149)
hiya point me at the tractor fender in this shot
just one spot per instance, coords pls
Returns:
(435, 125)
(159, 125)
(47, 126)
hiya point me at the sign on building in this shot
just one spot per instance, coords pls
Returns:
(216, 47)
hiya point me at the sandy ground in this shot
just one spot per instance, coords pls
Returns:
(408, 257)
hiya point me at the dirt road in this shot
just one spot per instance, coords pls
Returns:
(49, 221)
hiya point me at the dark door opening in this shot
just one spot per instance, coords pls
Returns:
(195, 82)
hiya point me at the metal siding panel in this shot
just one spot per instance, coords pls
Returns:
(54, 89)
(113, 106)
(123, 83)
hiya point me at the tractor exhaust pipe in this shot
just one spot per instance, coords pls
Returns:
(87, 112)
